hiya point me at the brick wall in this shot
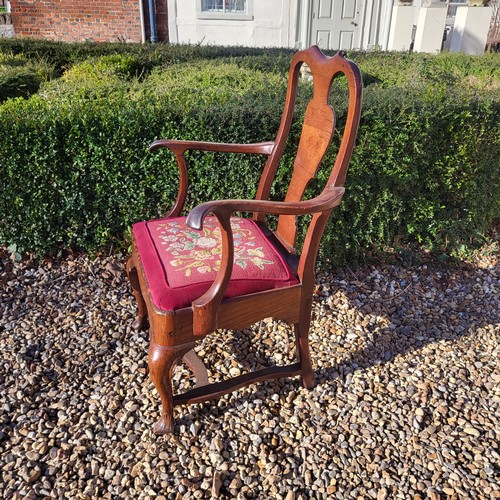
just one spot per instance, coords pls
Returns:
(80, 20)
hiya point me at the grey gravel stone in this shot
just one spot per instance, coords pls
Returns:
(406, 403)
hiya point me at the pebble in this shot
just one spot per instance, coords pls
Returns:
(472, 431)
(405, 360)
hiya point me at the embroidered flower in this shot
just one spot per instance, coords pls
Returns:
(206, 242)
(199, 251)
(166, 239)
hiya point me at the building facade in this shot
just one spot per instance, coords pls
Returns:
(80, 20)
(281, 23)
(419, 25)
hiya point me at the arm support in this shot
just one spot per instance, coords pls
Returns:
(205, 307)
(180, 147)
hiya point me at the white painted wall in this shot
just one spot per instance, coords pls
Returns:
(6, 31)
(287, 23)
(273, 24)
(471, 30)
(430, 28)
(401, 28)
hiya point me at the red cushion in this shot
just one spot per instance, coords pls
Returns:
(181, 263)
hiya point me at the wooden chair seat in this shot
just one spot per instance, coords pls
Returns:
(192, 275)
(180, 264)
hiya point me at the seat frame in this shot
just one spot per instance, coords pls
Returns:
(173, 334)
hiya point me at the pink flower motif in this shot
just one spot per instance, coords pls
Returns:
(166, 239)
(175, 246)
(206, 242)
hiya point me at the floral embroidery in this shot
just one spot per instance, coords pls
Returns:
(200, 250)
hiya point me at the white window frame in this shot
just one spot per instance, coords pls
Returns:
(230, 16)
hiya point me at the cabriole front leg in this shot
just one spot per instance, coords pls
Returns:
(161, 361)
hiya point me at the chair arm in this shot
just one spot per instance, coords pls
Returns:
(205, 307)
(180, 147)
(328, 199)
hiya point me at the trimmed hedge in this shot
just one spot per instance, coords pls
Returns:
(64, 55)
(76, 172)
(20, 77)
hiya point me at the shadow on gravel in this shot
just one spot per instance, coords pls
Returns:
(376, 313)
(429, 306)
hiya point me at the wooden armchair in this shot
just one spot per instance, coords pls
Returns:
(192, 275)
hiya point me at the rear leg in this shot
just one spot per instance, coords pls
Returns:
(197, 367)
(302, 342)
(141, 320)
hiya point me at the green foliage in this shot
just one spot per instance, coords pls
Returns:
(76, 171)
(124, 66)
(19, 77)
(445, 69)
(424, 170)
(64, 55)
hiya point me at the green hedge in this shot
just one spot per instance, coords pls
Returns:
(64, 55)
(20, 77)
(76, 171)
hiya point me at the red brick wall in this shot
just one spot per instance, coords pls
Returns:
(80, 20)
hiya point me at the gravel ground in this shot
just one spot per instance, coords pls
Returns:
(406, 405)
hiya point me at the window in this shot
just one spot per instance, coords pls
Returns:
(225, 9)
(224, 6)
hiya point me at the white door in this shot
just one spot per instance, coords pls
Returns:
(336, 24)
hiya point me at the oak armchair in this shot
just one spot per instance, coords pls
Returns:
(192, 275)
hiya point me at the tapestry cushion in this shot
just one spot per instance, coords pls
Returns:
(181, 263)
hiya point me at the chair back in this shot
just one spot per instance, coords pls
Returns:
(317, 132)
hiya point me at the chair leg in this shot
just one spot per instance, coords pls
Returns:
(302, 342)
(161, 361)
(140, 322)
(197, 367)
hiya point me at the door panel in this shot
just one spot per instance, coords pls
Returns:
(345, 39)
(323, 39)
(335, 24)
(349, 9)
(325, 9)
